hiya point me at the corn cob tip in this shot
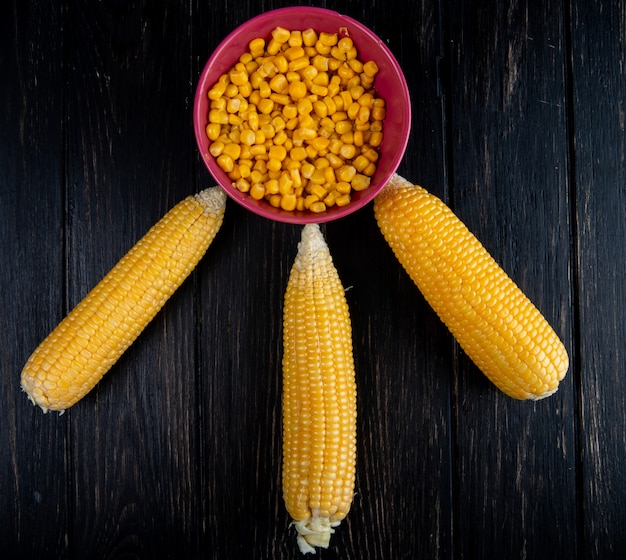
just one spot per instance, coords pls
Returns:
(311, 242)
(212, 199)
(312, 532)
(395, 182)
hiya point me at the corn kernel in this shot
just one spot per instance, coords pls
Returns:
(318, 207)
(370, 68)
(309, 37)
(281, 63)
(213, 131)
(343, 200)
(233, 150)
(256, 46)
(288, 202)
(281, 34)
(225, 162)
(218, 117)
(257, 191)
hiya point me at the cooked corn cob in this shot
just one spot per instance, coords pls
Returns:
(493, 321)
(83, 347)
(319, 395)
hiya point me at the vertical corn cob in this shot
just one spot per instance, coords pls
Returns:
(493, 321)
(319, 395)
(83, 347)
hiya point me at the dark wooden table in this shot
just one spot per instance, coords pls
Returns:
(519, 115)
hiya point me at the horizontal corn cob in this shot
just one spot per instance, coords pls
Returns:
(319, 395)
(494, 322)
(83, 347)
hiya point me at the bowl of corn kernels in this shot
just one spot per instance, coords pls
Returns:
(302, 115)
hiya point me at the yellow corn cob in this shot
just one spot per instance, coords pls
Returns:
(494, 322)
(319, 395)
(83, 347)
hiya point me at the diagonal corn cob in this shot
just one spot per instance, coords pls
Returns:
(494, 322)
(83, 347)
(319, 395)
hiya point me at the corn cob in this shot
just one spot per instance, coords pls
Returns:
(497, 326)
(84, 346)
(319, 395)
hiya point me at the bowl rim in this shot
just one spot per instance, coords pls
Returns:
(262, 207)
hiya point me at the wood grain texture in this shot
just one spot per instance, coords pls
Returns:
(516, 497)
(599, 98)
(518, 123)
(34, 467)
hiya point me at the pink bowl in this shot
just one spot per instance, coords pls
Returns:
(390, 84)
